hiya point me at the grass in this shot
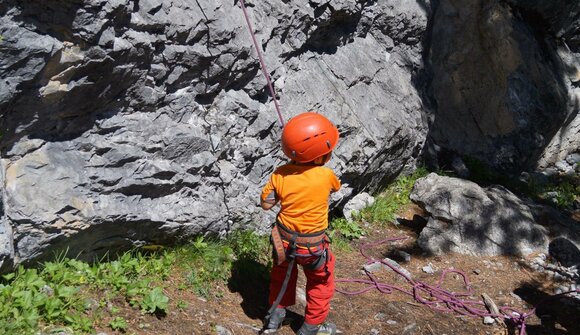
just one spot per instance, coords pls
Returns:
(61, 294)
(392, 199)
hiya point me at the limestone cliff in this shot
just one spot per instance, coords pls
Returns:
(133, 122)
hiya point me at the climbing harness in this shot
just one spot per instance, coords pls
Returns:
(437, 298)
(262, 63)
(285, 242)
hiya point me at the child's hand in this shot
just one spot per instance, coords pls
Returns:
(269, 202)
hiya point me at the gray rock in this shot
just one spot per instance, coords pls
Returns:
(468, 219)
(380, 316)
(488, 320)
(135, 125)
(405, 256)
(396, 266)
(301, 296)
(492, 108)
(6, 244)
(221, 330)
(356, 204)
(573, 159)
(564, 167)
(373, 267)
(47, 290)
(409, 329)
(428, 268)
(130, 125)
(565, 252)
(459, 167)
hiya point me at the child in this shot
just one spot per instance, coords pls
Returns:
(302, 187)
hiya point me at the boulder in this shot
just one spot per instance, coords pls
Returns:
(468, 219)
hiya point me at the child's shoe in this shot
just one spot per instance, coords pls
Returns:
(326, 328)
(275, 321)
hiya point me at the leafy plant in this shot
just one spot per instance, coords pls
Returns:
(118, 323)
(27, 297)
(567, 193)
(339, 243)
(182, 304)
(55, 293)
(207, 261)
(562, 192)
(392, 199)
(348, 229)
(250, 245)
(155, 302)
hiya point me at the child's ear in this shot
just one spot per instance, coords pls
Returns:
(323, 159)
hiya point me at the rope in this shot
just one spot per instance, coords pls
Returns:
(437, 298)
(262, 64)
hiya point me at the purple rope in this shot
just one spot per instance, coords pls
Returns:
(262, 64)
(437, 298)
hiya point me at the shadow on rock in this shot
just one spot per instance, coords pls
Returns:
(565, 252)
(558, 315)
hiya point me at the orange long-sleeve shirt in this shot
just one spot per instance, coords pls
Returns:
(303, 191)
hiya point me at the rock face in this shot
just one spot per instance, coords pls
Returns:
(505, 81)
(128, 122)
(468, 219)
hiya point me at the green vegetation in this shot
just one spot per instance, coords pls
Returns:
(387, 203)
(61, 293)
(560, 191)
(392, 199)
(347, 229)
(207, 261)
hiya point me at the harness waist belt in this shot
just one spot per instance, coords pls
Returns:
(305, 240)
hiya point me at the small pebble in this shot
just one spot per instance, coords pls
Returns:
(380, 316)
(516, 296)
(428, 268)
(410, 329)
(488, 320)
(405, 256)
(222, 330)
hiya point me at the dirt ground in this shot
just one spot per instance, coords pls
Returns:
(241, 304)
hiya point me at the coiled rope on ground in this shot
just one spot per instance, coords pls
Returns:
(435, 296)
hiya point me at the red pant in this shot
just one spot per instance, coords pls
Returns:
(319, 286)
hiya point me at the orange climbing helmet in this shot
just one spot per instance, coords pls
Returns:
(308, 136)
